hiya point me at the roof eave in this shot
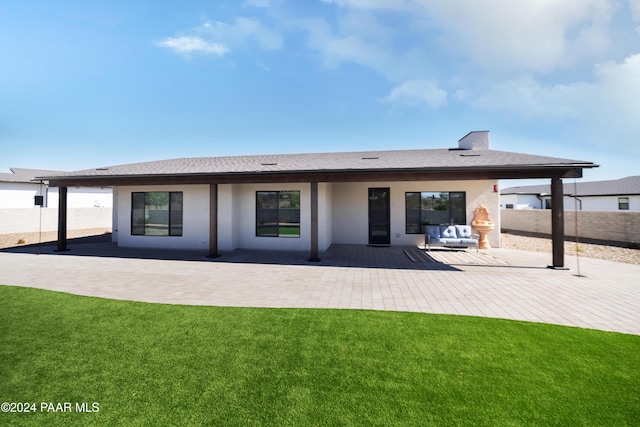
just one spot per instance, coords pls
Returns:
(465, 172)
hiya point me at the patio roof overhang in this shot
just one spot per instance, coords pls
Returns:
(436, 174)
(554, 171)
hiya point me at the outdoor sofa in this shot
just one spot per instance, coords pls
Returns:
(450, 236)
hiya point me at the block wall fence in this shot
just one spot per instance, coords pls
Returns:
(615, 227)
(30, 220)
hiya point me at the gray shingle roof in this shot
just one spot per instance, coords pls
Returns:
(400, 160)
(624, 186)
(22, 175)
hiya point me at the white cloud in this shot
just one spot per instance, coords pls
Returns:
(417, 92)
(530, 35)
(611, 96)
(535, 35)
(335, 48)
(241, 31)
(187, 45)
(528, 98)
(216, 37)
(634, 5)
(605, 108)
(619, 89)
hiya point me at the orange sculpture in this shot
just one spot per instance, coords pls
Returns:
(482, 224)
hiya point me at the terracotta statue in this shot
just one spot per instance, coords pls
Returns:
(482, 224)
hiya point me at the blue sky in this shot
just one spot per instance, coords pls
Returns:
(86, 84)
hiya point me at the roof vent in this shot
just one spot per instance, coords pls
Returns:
(370, 158)
(477, 140)
(102, 169)
(268, 164)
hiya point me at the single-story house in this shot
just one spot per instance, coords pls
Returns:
(21, 189)
(612, 195)
(310, 201)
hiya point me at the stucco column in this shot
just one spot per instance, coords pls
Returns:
(557, 222)
(314, 223)
(213, 221)
(62, 219)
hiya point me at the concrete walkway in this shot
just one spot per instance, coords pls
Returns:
(499, 283)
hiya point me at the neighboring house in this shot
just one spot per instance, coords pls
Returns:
(310, 201)
(19, 189)
(614, 195)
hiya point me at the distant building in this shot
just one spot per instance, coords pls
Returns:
(614, 195)
(19, 189)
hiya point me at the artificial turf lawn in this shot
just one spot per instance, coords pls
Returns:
(152, 364)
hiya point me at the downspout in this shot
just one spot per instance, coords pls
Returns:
(539, 196)
(579, 201)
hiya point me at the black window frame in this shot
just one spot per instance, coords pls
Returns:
(623, 206)
(411, 227)
(175, 214)
(269, 220)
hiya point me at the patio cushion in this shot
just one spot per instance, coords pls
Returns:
(448, 232)
(433, 231)
(464, 231)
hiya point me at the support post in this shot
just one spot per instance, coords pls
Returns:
(213, 221)
(314, 223)
(62, 219)
(557, 222)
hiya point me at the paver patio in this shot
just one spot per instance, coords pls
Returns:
(499, 283)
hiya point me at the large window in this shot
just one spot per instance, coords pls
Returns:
(424, 208)
(278, 213)
(156, 213)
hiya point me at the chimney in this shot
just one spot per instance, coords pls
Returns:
(476, 140)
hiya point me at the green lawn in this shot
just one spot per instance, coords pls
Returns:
(149, 364)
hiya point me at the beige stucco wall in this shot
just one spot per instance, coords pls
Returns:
(342, 214)
(350, 208)
(195, 234)
(245, 214)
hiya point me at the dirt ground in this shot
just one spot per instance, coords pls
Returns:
(21, 239)
(536, 244)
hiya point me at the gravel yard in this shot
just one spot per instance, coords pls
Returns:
(536, 244)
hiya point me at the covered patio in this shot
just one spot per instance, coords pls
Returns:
(315, 177)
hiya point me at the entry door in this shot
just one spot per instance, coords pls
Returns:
(379, 223)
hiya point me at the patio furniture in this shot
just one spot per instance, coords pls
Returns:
(450, 236)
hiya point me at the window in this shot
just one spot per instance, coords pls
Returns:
(623, 203)
(156, 213)
(278, 213)
(423, 208)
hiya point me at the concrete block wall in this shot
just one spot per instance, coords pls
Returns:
(623, 227)
(28, 220)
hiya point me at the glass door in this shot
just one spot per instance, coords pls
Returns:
(379, 216)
